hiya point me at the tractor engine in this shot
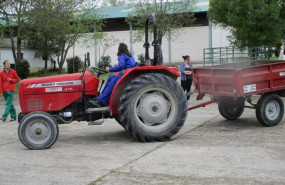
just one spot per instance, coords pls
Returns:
(60, 95)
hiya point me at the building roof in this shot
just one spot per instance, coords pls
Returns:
(124, 11)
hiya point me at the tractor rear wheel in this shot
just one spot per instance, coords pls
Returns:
(117, 118)
(38, 130)
(231, 108)
(153, 107)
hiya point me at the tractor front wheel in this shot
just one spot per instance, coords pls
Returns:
(153, 107)
(38, 130)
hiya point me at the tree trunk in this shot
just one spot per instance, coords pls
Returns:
(19, 49)
(63, 57)
(54, 64)
(61, 61)
(60, 65)
(46, 65)
(13, 45)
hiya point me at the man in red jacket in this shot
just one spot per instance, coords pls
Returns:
(8, 79)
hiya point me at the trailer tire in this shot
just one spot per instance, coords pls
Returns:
(153, 107)
(231, 108)
(38, 130)
(270, 110)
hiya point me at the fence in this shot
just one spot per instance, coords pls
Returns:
(230, 54)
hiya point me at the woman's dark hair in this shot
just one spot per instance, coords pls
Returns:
(123, 48)
(185, 57)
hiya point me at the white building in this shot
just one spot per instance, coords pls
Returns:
(29, 54)
(185, 41)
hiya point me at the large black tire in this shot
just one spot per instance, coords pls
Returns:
(38, 130)
(117, 118)
(270, 110)
(153, 107)
(231, 108)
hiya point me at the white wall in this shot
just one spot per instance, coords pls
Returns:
(185, 41)
(6, 54)
(220, 36)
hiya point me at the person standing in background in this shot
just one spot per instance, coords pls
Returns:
(1, 89)
(186, 76)
(8, 79)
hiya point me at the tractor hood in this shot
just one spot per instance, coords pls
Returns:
(55, 84)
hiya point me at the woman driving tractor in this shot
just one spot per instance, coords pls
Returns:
(125, 61)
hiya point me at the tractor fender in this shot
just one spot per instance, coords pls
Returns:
(131, 74)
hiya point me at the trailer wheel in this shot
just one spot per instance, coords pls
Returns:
(38, 130)
(231, 108)
(153, 107)
(270, 110)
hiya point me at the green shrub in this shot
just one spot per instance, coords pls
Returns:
(78, 63)
(23, 68)
(104, 62)
(141, 58)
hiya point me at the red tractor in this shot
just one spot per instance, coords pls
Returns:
(147, 101)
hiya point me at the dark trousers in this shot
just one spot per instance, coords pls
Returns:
(186, 85)
(107, 91)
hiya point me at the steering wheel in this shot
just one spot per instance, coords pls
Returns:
(99, 71)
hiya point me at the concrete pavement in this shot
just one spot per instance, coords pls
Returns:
(207, 150)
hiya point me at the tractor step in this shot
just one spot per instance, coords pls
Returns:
(98, 110)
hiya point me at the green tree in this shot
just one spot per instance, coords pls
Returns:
(252, 23)
(105, 42)
(15, 21)
(42, 35)
(114, 3)
(59, 25)
(169, 14)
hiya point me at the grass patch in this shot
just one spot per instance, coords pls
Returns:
(105, 76)
(274, 58)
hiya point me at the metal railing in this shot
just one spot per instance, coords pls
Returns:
(213, 56)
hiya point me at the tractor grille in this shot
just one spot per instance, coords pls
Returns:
(35, 104)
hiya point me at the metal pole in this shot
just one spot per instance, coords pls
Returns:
(211, 40)
(169, 46)
(131, 37)
(95, 47)
(73, 58)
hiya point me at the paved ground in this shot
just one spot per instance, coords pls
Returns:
(208, 150)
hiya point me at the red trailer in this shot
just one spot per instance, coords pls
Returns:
(230, 85)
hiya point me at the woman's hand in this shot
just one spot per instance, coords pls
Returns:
(107, 68)
(188, 72)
